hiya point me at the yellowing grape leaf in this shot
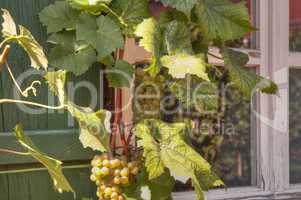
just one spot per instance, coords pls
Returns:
(94, 127)
(152, 41)
(54, 166)
(33, 49)
(102, 33)
(59, 16)
(56, 82)
(9, 28)
(153, 161)
(25, 39)
(181, 64)
(176, 154)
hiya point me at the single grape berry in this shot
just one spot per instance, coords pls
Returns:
(106, 163)
(104, 171)
(124, 172)
(117, 180)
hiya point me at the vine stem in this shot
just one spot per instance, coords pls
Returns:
(2, 101)
(4, 54)
(25, 92)
(14, 152)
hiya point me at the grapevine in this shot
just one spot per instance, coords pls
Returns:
(156, 153)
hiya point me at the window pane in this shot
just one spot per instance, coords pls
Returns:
(225, 141)
(295, 125)
(295, 25)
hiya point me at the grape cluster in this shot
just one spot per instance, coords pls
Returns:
(111, 176)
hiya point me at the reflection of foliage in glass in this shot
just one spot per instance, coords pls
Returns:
(295, 40)
(295, 125)
(227, 143)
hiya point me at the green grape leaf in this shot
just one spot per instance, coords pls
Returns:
(181, 64)
(151, 40)
(74, 56)
(121, 74)
(59, 16)
(132, 12)
(178, 38)
(156, 189)
(33, 49)
(161, 187)
(244, 79)
(9, 28)
(223, 19)
(153, 161)
(178, 156)
(181, 5)
(56, 82)
(102, 33)
(94, 127)
(53, 166)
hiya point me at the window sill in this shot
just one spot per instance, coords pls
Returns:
(244, 193)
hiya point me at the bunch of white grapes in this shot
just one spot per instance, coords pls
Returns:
(111, 176)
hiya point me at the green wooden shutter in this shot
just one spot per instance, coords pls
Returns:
(50, 131)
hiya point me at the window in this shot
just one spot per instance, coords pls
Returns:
(269, 146)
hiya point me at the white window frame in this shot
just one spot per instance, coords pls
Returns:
(271, 141)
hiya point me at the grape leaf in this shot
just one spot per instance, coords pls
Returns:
(132, 12)
(177, 156)
(74, 56)
(93, 6)
(181, 64)
(59, 16)
(33, 49)
(161, 187)
(223, 19)
(155, 189)
(152, 41)
(9, 28)
(244, 79)
(94, 127)
(102, 33)
(181, 5)
(25, 39)
(121, 74)
(56, 82)
(54, 166)
(178, 38)
(153, 161)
